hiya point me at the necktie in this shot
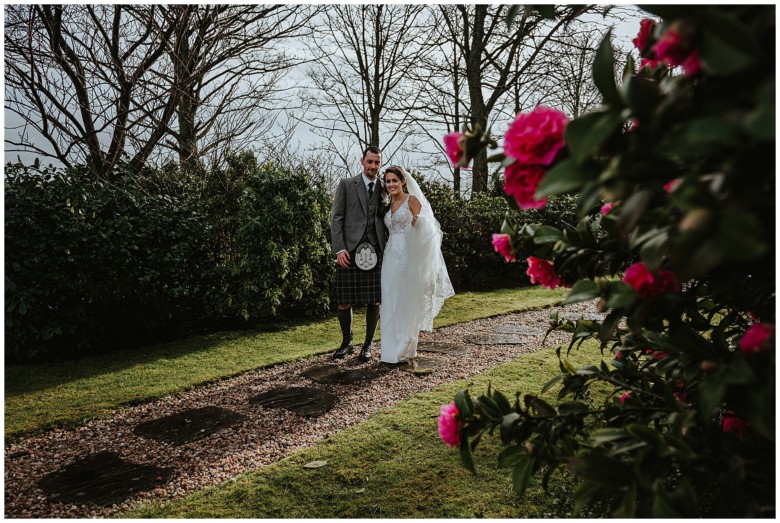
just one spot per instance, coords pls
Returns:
(370, 189)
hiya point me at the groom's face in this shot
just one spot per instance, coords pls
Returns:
(371, 163)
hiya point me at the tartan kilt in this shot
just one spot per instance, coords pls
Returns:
(356, 286)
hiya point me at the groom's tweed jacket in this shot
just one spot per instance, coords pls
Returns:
(354, 218)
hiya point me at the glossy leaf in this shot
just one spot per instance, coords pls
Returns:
(604, 72)
(585, 134)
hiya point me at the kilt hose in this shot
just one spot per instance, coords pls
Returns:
(356, 286)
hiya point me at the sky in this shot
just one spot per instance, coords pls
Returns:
(304, 140)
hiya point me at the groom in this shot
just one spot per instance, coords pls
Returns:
(358, 238)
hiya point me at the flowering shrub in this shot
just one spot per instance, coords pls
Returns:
(683, 268)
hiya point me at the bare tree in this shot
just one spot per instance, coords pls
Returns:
(228, 62)
(72, 73)
(103, 84)
(360, 82)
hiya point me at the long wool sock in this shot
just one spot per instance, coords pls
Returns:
(372, 318)
(345, 321)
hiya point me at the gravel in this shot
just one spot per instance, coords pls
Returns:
(268, 434)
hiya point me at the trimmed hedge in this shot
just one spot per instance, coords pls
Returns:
(93, 266)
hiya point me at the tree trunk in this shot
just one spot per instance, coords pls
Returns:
(478, 108)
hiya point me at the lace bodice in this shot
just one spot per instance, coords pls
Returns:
(397, 221)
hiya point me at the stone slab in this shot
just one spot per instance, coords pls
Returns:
(440, 347)
(333, 374)
(496, 339)
(189, 425)
(102, 478)
(576, 316)
(520, 330)
(421, 365)
(306, 401)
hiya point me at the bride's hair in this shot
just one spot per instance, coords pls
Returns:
(401, 173)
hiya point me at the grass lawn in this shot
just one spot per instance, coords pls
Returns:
(39, 397)
(394, 465)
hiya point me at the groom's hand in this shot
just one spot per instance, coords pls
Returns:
(342, 259)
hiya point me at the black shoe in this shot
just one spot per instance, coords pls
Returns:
(365, 353)
(344, 350)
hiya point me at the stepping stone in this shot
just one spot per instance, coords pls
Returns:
(103, 478)
(305, 401)
(576, 316)
(421, 365)
(496, 339)
(521, 330)
(332, 374)
(189, 425)
(450, 349)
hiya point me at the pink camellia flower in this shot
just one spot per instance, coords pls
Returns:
(649, 285)
(756, 338)
(674, 49)
(536, 137)
(521, 181)
(503, 246)
(656, 354)
(454, 144)
(449, 426)
(646, 28)
(625, 396)
(607, 207)
(672, 185)
(542, 272)
(735, 425)
(649, 62)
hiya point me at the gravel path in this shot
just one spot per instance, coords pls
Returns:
(268, 434)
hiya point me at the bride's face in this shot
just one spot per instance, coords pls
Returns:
(394, 185)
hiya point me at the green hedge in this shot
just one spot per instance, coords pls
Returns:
(93, 266)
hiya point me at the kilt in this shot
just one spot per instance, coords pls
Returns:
(356, 286)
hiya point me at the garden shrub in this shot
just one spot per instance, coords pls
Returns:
(94, 266)
(675, 176)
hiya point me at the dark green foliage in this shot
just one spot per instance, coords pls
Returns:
(688, 426)
(93, 266)
(469, 225)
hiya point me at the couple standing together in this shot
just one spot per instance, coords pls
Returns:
(388, 256)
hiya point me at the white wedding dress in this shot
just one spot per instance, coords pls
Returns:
(415, 282)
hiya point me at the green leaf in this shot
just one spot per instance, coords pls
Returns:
(644, 433)
(550, 383)
(626, 507)
(566, 176)
(702, 137)
(582, 290)
(603, 471)
(642, 94)
(599, 437)
(521, 475)
(761, 121)
(740, 235)
(547, 234)
(620, 295)
(514, 10)
(585, 134)
(510, 456)
(711, 392)
(604, 72)
(465, 453)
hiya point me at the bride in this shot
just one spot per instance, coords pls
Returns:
(415, 282)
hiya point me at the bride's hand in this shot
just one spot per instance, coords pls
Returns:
(414, 219)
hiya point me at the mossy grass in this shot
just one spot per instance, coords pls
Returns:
(40, 397)
(394, 465)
